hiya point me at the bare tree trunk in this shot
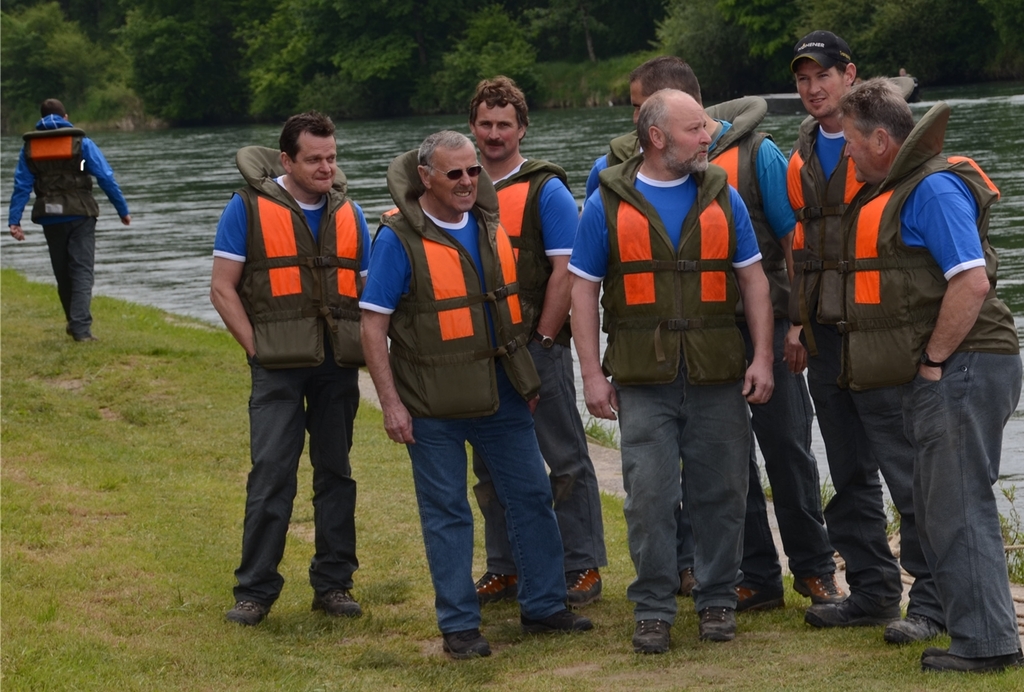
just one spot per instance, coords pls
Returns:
(586, 32)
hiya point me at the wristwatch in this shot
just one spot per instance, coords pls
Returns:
(544, 341)
(925, 360)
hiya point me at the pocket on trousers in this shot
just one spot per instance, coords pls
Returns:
(930, 410)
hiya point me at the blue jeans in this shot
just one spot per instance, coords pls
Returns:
(563, 444)
(864, 434)
(706, 428)
(783, 430)
(507, 444)
(72, 247)
(278, 421)
(956, 426)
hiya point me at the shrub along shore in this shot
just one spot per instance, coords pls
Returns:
(123, 482)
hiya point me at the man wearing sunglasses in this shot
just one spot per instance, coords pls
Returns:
(539, 214)
(443, 286)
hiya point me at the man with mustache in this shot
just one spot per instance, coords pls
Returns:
(540, 215)
(443, 286)
(673, 246)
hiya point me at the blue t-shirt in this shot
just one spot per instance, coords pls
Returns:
(232, 229)
(558, 216)
(941, 215)
(672, 200)
(771, 177)
(828, 147)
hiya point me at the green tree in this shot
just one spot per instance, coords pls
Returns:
(556, 20)
(46, 56)
(493, 44)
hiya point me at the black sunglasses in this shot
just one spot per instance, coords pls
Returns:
(456, 173)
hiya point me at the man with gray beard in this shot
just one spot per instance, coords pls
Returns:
(674, 248)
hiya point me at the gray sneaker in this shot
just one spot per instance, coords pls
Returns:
(717, 624)
(848, 614)
(337, 602)
(248, 613)
(913, 628)
(651, 637)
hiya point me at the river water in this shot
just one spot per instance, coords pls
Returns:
(177, 182)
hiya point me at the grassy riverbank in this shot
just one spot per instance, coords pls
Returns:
(123, 475)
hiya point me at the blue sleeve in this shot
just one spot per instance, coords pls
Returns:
(96, 165)
(364, 261)
(590, 250)
(558, 217)
(941, 215)
(747, 249)
(592, 179)
(390, 273)
(771, 177)
(23, 183)
(232, 231)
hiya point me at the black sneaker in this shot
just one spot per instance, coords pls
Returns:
(848, 614)
(651, 637)
(758, 599)
(582, 587)
(494, 587)
(465, 644)
(248, 613)
(940, 660)
(562, 621)
(337, 602)
(717, 624)
(913, 628)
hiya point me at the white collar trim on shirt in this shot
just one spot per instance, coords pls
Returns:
(661, 183)
(306, 207)
(831, 135)
(457, 226)
(511, 172)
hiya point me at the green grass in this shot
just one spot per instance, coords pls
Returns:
(123, 482)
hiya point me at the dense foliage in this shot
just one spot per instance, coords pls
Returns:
(217, 61)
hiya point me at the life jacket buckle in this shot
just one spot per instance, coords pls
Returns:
(687, 266)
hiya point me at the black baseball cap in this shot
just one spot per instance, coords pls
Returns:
(823, 47)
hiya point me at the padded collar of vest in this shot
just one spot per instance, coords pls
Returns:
(405, 187)
(260, 165)
(923, 143)
(532, 167)
(68, 131)
(623, 148)
(620, 180)
(744, 114)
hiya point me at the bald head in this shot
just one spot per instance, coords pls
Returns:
(671, 131)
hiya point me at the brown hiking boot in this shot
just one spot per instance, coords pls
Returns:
(582, 587)
(754, 599)
(492, 587)
(820, 589)
(686, 582)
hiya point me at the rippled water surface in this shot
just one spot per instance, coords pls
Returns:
(178, 181)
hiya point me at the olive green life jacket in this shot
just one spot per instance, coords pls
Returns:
(818, 202)
(294, 288)
(661, 304)
(62, 186)
(442, 355)
(892, 291)
(519, 207)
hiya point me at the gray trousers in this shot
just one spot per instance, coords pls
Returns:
(563, 444)
(72, 248)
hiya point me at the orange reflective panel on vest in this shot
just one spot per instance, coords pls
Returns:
(795, 188)
(507, 258)
(853, 185)
(714, 245)
(634, 236)
(868, 284)
(279, 241)
(448, 281)
(635, 246)
(975, 166)
(512, 209)
(345, 238)
(730, 161)
(49, 148)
